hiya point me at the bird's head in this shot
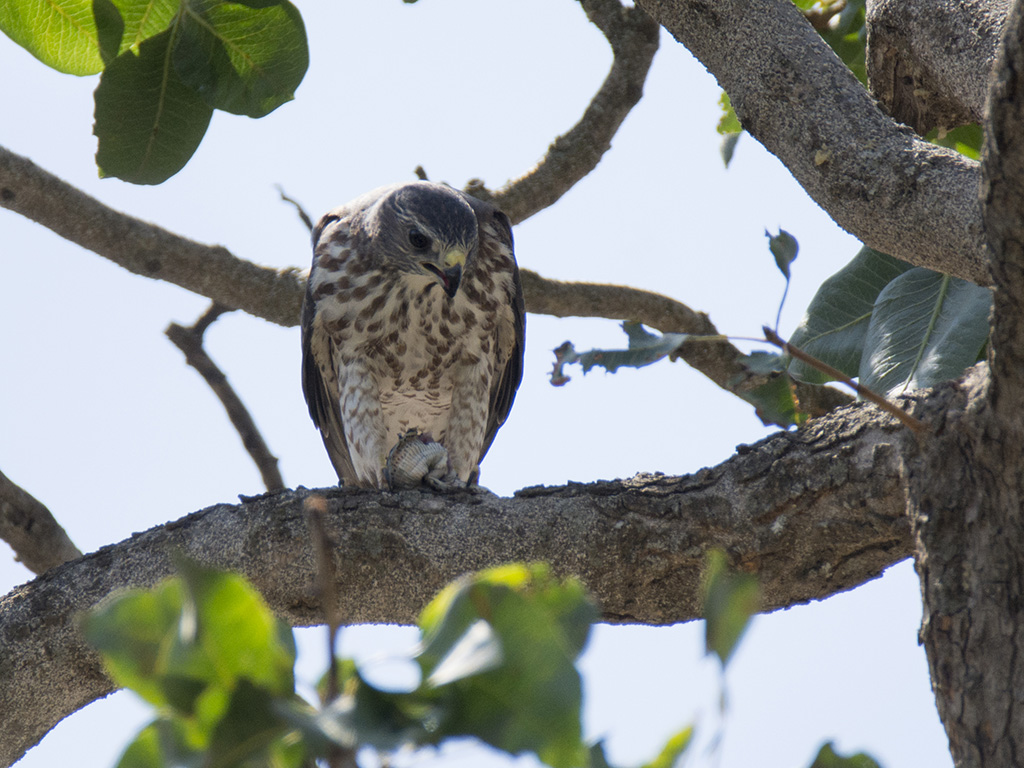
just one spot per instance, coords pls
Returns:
(428, 229)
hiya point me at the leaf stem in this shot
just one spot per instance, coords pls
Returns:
(916, 425)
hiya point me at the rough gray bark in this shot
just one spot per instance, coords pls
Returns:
(966, 487)
(811, 512)
(929, 62)
(873, 176)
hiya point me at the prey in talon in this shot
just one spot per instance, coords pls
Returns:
(412, 335)
(418, 459)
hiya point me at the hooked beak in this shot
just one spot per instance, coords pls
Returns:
(451, 275)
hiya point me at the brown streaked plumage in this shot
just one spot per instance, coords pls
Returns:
(412, 324)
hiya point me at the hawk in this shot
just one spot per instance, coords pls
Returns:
(412, 333)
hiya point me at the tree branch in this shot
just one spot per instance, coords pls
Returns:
(810, 513)
(719, 360)
(190, 342)
(146, 249)
(634, 40)
(38, 540)
(965, 485)
(923, 84)
(874, 177)
(212, 271)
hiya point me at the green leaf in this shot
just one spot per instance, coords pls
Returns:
(144, 750)
(160, 744)
(248, 728)
(965, 139)
(827, 758)
(124, 24)
(729, 127)
(644, 348)
(476, 652)
(847, 36)
(149, 123)
(135, 632)
(597, 756)
(530, 701)
(730, 599)
(238, 633)
(243, 57)
(774, 401)
(674, 749)
(926, 328)
(60, 33)
(187, 643)
(728, 122)
(836, 323)
(784, 248)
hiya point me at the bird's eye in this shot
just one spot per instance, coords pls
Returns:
(418, 240)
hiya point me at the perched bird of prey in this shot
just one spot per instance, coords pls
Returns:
(412, 334)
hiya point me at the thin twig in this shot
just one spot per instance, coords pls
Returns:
(298, 208)
(919, 427)
(38, 540)
(634, 40)
(190, 341)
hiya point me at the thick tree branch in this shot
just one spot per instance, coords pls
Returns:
(874, 177)
(923, 84)
(634, 40)
(811, 513)
(1003, 192)
(146, 249)
(190, 342)
(38, 540)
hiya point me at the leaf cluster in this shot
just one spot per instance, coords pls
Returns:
(497, 663)
(166, 66)
(893, 326)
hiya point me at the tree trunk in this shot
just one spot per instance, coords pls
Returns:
(964, 492)
(965, 483)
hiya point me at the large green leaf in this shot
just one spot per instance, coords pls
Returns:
(208, 630)
(208, 652)
(926, 328)
(162, 743)
(60, 33)
(836, 323)
(238, 632)
(243, 57)
(498, 661)
(149, 123)
(124, 24)
(135, 633)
